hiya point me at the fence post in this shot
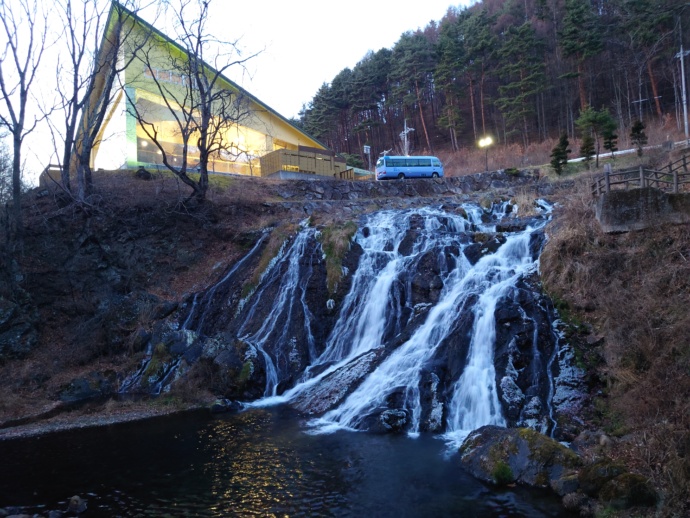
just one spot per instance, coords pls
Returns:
(675, 181)
(641, 177)
(607, 177)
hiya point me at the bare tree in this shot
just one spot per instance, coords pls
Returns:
(82, 22)
(90, 93)
(24, 31)
(5, 172)
(201, 107)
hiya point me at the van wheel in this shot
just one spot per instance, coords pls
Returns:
(401, 176)
(434, 175)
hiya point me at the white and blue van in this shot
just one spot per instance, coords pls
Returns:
(400, 167)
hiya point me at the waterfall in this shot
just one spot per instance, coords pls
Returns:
(192, 326)
(378, 307)
(201, 305)
(288, 307)
(414, 344)
(474, 401)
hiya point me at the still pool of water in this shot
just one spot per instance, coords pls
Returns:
(255, 463)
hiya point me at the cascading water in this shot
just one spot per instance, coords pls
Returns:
(378, 307)
(289, 306)
(439, 330)
(192, 326)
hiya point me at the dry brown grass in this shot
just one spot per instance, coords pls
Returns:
(635, 289)
(471, 160)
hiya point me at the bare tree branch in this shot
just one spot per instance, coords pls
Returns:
(24, 27)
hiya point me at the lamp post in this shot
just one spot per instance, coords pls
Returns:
(484, 144)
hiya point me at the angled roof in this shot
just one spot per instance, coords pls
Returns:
(117, 5)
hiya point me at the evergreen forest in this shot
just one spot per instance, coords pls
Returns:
(521, 71)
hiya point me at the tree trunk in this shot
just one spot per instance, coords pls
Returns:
(474, 115)
(581, 84)
(655, 91)
(421, 116)
(481, 100)
(17, 224)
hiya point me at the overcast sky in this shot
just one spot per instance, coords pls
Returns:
(307, 42)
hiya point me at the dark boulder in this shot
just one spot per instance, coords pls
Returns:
(628, 490)
(484, 244)
(520, 455)
(94, 385)
(76, 505)
(394, 420)
(593, 477)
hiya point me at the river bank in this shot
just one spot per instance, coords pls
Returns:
(91, 415)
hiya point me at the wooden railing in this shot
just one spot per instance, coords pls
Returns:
(671, 178)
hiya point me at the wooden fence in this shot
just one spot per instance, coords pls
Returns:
(672, 178)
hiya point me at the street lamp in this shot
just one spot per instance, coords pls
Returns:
(484, 143)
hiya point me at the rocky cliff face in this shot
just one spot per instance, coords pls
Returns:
(112, 291)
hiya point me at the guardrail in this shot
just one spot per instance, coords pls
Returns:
(671, 178)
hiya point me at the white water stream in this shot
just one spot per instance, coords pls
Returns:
(378, 307)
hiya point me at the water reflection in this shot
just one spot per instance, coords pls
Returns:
(257, 463)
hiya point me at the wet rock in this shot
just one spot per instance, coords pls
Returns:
(512, 396)
(432, 403)
(76, 505)
(570, 395)
(520, 455)
(512, 225)
(532, 413)
(333, 389)
(484, 244)
(223, 406)
(393, 420)
(406, 245)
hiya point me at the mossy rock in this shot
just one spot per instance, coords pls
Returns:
(502, 474)
(502, 456)
(593, 477)
(628, 490)
(546, 452)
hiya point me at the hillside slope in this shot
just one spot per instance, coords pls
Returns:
(77, 307)
(632, 290)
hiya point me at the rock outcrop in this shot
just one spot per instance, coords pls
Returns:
(503, 456)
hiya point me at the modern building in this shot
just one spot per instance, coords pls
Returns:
(152, 82)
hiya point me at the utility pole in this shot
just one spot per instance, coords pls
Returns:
(681, 55)
(405, 141)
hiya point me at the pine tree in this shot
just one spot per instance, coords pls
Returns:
(587, 148)
(638, 137)
(610, 141)
(597, 124)
(559, 154)
(581, 39)
(522, 71)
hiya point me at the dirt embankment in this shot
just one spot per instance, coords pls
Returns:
(632, 290)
